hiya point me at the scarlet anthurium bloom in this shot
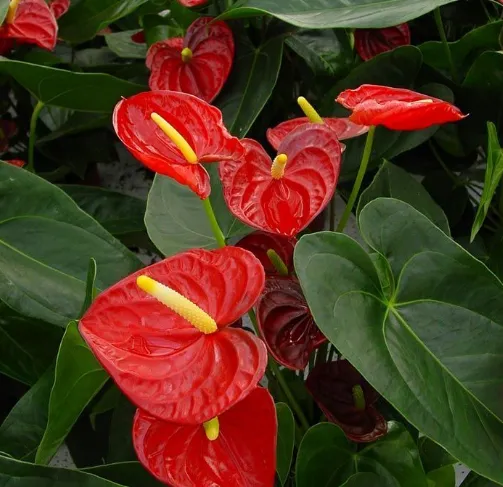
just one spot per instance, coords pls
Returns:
(59, 7)
(260, 243)
(198, 64)
(371, 42)
(30, 22)
(347, 400)
(16, 162)
(8, 129)
(173, 133)
(242, 454)
(192, 3)
(163, 334)
(396, 108)
(283, 196)
(286, 323)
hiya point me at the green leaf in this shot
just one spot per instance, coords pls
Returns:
(43, 232)
(176, 220)
(366, 480)
(131, 474)
(157, 28)
(22, 430)
(250, 84)
(326, 457)
(78, 378)
(433, 348)
(107, 402)
(4, 8)
(322, 14)
(474, 480)
(120, 443)
(433, 456)
(122, 45)
(87, 17)
(87, 92)
(22, 474)
(183, 16)
(443, 477)
(394, 182)
(286, 441)
(90, 289)
(494, 172)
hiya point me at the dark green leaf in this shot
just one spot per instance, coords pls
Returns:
(433, 456)
(286, 441)
(442, 477)
(474, 480)
(394, 182)
(436, 338)
(122, 44)
(94, 57)
(131, 474)
(120, 444)
(367, 480)
(250, 85)
(321, 14)
(78, 378)
(90, 289)
(87, 92)
(46, 234)
(106, 403)
(183, 16)
(157, 28)
(86, 18)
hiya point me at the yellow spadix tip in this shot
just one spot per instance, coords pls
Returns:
(278, 166)
(175, 137)
(186, 54)
(11, 13)
(309, 110)
(178, 303)
(212, 429)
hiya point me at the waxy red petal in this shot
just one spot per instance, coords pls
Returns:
(34, 23)
(343, 127)
(199, 123)
(192, 3)
(212, 46)
(258, 243)
(16, 162)
(371, 42)
(397, 108)
(244, 454)
(284, 206)
(159, 360)
(286, 323)
(59, 7)
(331, 385)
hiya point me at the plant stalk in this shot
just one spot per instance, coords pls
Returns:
(215, 227)
(359, 179)
(443, 38)
(33, 136)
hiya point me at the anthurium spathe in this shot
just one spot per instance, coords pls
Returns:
(283, 196)
(163, 334)
(173, 134)
(30, 22)
(192, 3)
(59, 7)
(286, 323)
(371, 42)
(236, 449)
(198, 63)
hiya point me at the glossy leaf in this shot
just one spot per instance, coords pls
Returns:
(120, 440)
(286, 441)
(87, 92)
(58, 256)
(440, 332)
(326, 457)
(321, 14)
(474, 480)
(372, 42)
(394, 182)
(433, 456)
(442, 477)
(90, 289)
(250, 85)
(131, 474)
(123, 44)
(77, 379)
(366, 479)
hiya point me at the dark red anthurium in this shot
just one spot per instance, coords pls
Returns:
(371, 42)
(243, 454)
(16, 162)
(138, 37)
(204, 137)
(30, 22)
(347, 400)
(198, 64)
(283, 196)
(396, 108)
(258, 243)
(8, 129)
(286, 323)
(176, 356)
(59, 7)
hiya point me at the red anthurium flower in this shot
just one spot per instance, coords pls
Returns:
(163, 335)
(371, 42)
(347, 400)
(242, 454)
(173, 133)
(30, 22)
(139, 37)
(396, 108)
(283, 196)
(59, 7)
(16, 162)
(198, 64)
(260, 243)
(192, 3)
(286, 323)
(8, 129)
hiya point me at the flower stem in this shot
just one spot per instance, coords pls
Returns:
(33, 135)
(443, 38)
(359, 179)
(215, 227)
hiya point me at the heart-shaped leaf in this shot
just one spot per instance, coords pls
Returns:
(286, 441)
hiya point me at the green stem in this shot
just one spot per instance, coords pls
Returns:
(500, 204)
(217, 231)
(443, 38)
(33, 134)
(359, 179)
